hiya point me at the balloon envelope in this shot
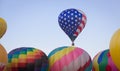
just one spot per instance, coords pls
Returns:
(3, 27)
(27, 59)
(3, 58)
(72, 22)
(115, 48)
(69, 58)
(103, 62)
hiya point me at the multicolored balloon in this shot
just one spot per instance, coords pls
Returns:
(27, 59)
(3, 27)
(72, 22)
(69, 58)
(3, 58)
(115, 48)
(103, 62)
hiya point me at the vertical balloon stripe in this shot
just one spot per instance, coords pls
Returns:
(59, 55)
(110, 62)
(100, 57)
(95, 62)
(80, 26)
(89, 65)
(56, 50)
(104, 61)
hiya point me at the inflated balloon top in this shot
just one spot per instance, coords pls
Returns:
(72, 22)
(27, 59)
(3, 27)
(69, 58)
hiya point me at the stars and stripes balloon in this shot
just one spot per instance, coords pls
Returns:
(27, 59)
(103, 62)
(69, 58)
(72, 22)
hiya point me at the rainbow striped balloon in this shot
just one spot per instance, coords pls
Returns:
(69, 58)
(3, 58)
(27, 59)
(103, 62)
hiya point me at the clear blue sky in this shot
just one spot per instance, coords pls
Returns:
(34, 23)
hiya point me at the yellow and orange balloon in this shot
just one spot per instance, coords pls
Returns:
(3, 58)
(3, 27)
(115, 48)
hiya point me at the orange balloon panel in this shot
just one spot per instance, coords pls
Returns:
(3, 57)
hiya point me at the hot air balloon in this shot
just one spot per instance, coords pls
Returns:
(72, 22)
(69, 58)
(27, 59)
(115, 48)
(3, 27)
(103, 62)
(3, 58)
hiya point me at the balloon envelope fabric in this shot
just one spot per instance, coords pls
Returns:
(72, 22)
(3, 58)
(27, 59)
(3, 27)
(115, 48)
(103, 62)
(69, 58)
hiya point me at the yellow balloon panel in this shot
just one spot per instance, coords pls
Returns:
(115, 48)
(3, 27)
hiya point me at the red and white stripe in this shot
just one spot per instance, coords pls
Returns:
(81, 26)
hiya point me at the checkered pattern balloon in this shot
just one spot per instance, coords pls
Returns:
(72, 22)
(27, 59)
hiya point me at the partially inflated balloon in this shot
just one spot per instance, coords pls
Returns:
(3, 27)
(27, 59)
(3, 58)
(115, 48)
(103, 62)
(69, 58)
(72, 22)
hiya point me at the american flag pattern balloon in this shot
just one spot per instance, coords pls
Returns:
(103, 62)
(27, 59)
(72, 22)
(69, 58)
